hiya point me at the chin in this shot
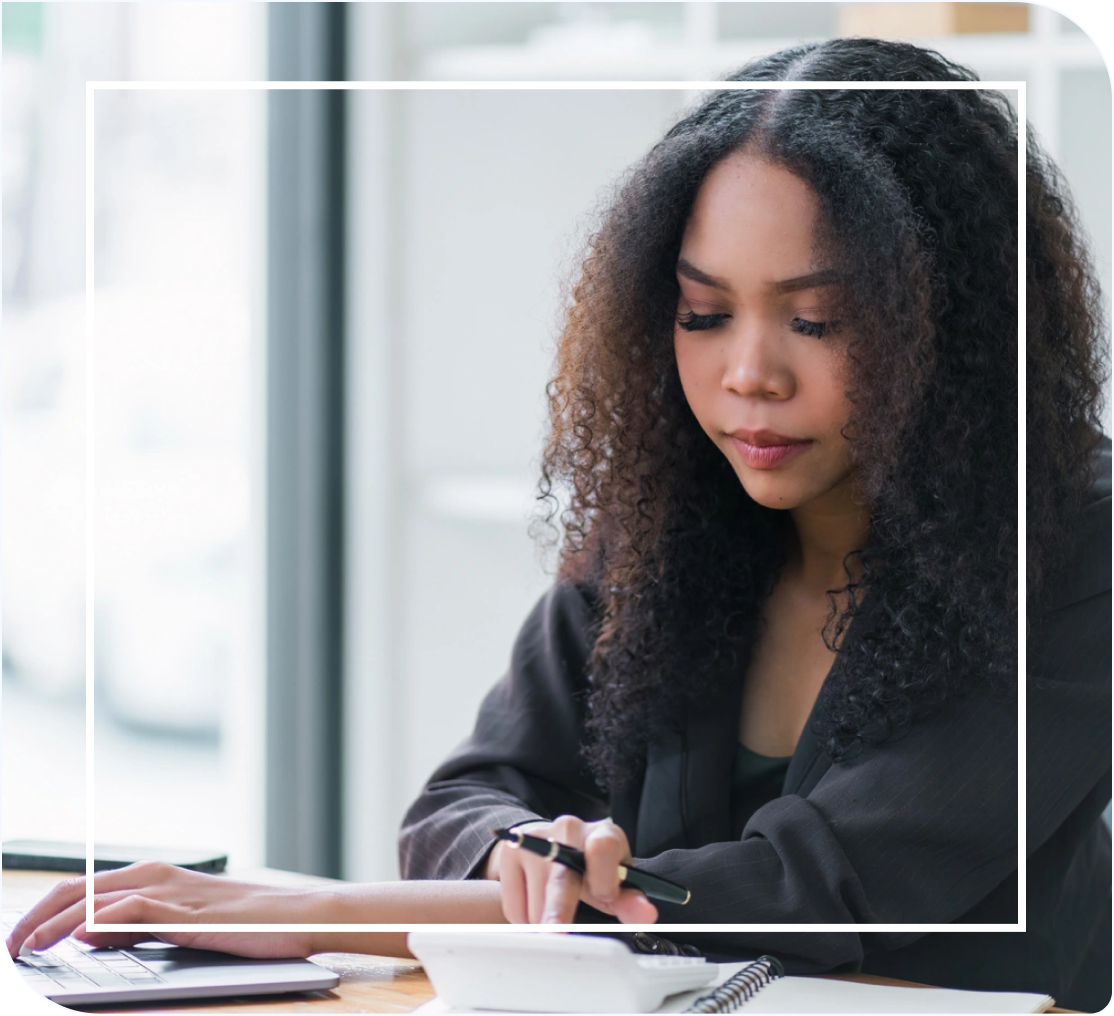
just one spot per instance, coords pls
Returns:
(771, 493)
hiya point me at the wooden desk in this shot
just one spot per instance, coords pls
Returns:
(368, 984)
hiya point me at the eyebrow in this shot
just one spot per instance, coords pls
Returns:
(826, 277)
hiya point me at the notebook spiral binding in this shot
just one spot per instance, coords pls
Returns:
(740, 988)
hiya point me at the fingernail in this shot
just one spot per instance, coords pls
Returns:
(26, 950)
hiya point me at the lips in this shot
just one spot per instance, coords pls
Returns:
(767, 449)
(765, 438)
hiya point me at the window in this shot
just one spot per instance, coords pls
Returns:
(179, 255)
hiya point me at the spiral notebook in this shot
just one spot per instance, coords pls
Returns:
(759, 987)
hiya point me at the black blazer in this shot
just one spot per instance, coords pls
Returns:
(923, 829)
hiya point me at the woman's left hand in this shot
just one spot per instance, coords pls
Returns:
(152, 892)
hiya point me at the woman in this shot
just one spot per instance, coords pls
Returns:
(790, 671)
(779, 662)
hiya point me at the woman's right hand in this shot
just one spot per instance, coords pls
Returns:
(151, 892)
(537, 891)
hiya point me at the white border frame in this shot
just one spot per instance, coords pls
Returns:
(91, 88)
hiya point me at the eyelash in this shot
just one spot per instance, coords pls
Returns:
(692, 322)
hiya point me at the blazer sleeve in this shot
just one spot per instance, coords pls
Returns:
(522, 760)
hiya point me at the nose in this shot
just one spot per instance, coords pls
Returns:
(754, 367)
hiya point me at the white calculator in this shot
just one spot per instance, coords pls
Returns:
(551, 972)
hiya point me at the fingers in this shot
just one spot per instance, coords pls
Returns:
(113, 939)
(537, 871)
(59, 899)
(535, 890)
(63, 908)
(523, 878)
(71, 891)
(140, 873)
(556, 889)
(72, 920)
(512, 882)
(633, 907)
(562, 893)
(605, 848)
(132, 908)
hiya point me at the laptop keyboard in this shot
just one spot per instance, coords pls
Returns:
(73, 965)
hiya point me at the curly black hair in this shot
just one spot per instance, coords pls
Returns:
(918, 194)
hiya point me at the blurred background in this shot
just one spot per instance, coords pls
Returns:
(324, 324)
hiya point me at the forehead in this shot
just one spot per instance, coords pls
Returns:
(751, 216)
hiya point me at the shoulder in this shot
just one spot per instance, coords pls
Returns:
(559, 632)
(1085, 571)
(569, 605)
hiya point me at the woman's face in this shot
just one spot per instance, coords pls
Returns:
(754, 338)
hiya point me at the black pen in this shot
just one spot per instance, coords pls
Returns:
(654, 886)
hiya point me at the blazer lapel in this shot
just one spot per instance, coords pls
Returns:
(660, 825)
(686, 790)
(712, 733)
(809, 761)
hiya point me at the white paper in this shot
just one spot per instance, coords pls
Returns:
(827, 995)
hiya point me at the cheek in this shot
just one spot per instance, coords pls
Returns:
(696, 368)
(829, 402)
(681, 355)
(693, 383)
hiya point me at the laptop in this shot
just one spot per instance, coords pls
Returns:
(73, 972)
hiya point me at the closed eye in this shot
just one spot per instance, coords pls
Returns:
(817, 329)
(692, 322)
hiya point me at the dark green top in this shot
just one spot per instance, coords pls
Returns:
(756, 780)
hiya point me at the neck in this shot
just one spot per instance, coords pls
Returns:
(824, 532)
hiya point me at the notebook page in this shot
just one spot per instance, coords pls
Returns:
(824, 995)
